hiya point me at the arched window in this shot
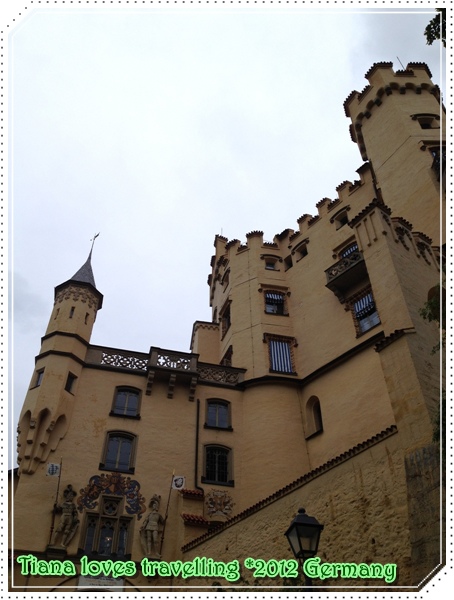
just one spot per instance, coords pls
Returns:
(218, 465)
(126, 402)
(314, 422)
(218, 414)
(119, 452)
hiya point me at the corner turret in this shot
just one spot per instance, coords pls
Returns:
(48, 406)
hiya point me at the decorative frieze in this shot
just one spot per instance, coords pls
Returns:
(76, 293)
(219, 375)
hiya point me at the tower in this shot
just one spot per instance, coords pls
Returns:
(48, 406)
(397, 122)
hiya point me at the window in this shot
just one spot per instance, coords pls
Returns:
(288, 262)
(340, 218)
(119, 452)
(275, 303)
(71, 312)
(126, 403)
(348, 250)
(69, 386)
(218, 414)
(107, 533)
(226, 279)
(314, 421)
(39, 378)
(280, 350)
(439, 161)
(301, 251)
(227, 358)
(225, 319)
(218, 465)
(271, 261)
(365, 312)
(427, 120)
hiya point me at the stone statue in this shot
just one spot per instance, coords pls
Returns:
(149, 532)
(69, 521)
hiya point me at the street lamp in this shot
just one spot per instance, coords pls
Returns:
(303, 536)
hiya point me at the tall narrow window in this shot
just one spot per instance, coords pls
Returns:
(218, 465)
(107, 533)
(70, 380)
(71, 312)
(314, 423)
(227, 358)
(126, 402)
(119, 452)
(365, 312)
(39, 378)
(280, 351)
(218, 414)
(225, 319)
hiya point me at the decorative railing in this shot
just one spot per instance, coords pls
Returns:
(168, 359)
(113, 357)
(182, 362)
(219, 374)
(126, 360)
(343, 265)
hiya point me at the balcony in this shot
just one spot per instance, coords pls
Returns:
(346, 273)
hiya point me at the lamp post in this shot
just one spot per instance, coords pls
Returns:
(303, 536)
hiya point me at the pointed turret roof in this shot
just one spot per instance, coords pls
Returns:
(85, 273)
(85, 277)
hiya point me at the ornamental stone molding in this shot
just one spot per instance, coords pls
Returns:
(76, 293)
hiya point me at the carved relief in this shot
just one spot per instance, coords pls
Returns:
(69, 521)
(113, 483)
(73, 292)
(219, 504)
(218, 374)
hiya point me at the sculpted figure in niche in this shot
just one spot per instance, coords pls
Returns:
(69, 521)
(150, 530)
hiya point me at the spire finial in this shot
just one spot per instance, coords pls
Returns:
(93, 241)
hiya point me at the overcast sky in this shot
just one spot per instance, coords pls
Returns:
(161, 128)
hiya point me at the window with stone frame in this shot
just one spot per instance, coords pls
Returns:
(280, 353)
(119, 452)
(314, 422)
(126, 403)
(275, 302)
(218, 414)
(225, 318)
(107, 533)
(349, 249)
(227, 358)
(364, 311)
(218, 465)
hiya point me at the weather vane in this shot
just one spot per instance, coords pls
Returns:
(93, 241)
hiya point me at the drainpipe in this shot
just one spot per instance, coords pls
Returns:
(196, 475)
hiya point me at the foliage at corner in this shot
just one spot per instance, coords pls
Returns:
(433, 311)
(436, 29)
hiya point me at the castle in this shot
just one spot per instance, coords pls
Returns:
(314, 385)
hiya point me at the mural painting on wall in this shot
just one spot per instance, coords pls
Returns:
(219, 504)
(113, 483)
